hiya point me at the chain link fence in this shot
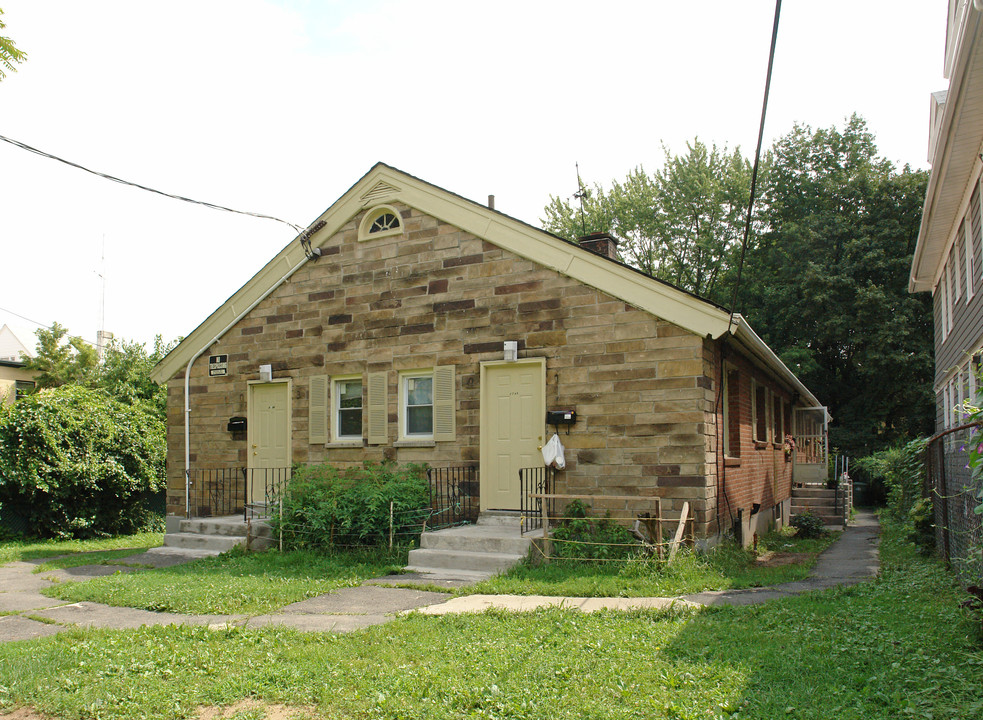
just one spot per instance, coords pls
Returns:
(955, 495)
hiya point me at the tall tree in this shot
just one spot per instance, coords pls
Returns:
(826, 283)
(682, 224)
(61, 359)
(9, 54)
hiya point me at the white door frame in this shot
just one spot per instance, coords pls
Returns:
(483, 457)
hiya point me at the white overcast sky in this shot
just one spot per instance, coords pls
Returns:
(278, 106)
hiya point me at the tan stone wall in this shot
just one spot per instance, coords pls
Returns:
(439, 296)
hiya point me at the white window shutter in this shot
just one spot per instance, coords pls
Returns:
(318, 410)
(378, 408)
(444, 408)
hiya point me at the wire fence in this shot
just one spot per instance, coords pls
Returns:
(955, 495)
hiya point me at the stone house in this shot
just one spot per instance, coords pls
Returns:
(380, 334)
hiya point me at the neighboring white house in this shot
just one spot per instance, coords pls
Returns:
(15, 344)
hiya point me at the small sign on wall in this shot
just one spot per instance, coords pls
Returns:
(218, 365)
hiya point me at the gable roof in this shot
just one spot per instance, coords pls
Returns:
(15, 340)
(385, 184)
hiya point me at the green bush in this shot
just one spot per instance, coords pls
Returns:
(901, 470)
(75, 463)
(808, 525)
(921, 526)
(584, 537)
(325, 506)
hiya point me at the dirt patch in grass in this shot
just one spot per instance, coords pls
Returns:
(250, 709)
(24, 713)
(780, 559)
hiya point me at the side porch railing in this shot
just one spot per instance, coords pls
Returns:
(221, 492)
(535, 481)
(453, 496)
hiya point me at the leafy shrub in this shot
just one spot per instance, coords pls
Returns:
(901, 470)
(921, 526)
(75, 463)
(602, 537)
(808, 525)
(325, 506)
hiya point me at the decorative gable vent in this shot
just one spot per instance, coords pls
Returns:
(381, 190)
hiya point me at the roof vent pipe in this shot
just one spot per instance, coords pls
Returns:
(491, 202)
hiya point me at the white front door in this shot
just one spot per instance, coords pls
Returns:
(513, 415)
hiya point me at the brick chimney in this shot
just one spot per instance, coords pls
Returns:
(600, 243)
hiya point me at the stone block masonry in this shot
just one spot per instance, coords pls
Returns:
(642, 387)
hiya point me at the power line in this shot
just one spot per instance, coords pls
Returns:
(213, 206)
(33, 322)
(757, 158)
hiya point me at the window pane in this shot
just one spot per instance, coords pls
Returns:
(350, 394)
(419, 391)
(350, 423)
(419, 420)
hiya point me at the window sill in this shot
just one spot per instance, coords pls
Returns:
(414, 443)
(345, 444)
(732, 462)
(761, 445)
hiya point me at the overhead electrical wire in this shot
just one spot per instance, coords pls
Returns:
(757, 158)
(722, 471)
(213, 206)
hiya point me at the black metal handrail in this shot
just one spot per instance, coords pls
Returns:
(216, 492)
(265, 489)
(453, 496)
(536, 481)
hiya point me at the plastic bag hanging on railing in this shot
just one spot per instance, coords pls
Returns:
(553, 453)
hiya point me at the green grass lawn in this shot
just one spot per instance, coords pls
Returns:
(14, 550)
(233, 583)
(725, 567)
(895, 647)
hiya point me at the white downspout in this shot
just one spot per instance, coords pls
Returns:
(187, 380)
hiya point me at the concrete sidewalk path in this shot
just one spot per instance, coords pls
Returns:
(26, 614)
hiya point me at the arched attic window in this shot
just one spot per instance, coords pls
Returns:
(379, 222)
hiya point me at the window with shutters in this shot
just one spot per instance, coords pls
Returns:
(346, 408)
(732, 413)
(426, 404)
(778, 418)
(760, 411)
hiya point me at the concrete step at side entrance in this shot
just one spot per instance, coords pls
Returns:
(195, 541)
(476, 538)
(424, 560)
(501, 518)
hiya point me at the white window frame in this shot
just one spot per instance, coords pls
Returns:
(957, 255)
(404, 433)
(336, 409)
(946, 302)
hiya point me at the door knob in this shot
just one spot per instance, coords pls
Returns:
(539, 447)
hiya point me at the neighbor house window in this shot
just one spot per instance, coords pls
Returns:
(23, 388)
(957, 257)
(968, 248)
(346, 394)
(760, 412)
(732, 414)
(416, 405)
(778, 417)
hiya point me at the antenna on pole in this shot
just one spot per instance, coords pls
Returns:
(102, 337)
(579, 195)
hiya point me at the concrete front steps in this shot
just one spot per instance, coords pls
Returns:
(821, 502)
(217, 535)
(473, 552)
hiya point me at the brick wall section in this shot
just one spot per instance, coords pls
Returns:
(642, 387)
(759, 474)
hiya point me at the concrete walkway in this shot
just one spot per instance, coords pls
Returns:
(26, 613)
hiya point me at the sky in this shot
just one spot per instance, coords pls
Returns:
(279, 106)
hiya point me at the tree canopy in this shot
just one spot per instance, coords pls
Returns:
(123, 374)
(682, 224)
(9, 54)
(825, 278)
